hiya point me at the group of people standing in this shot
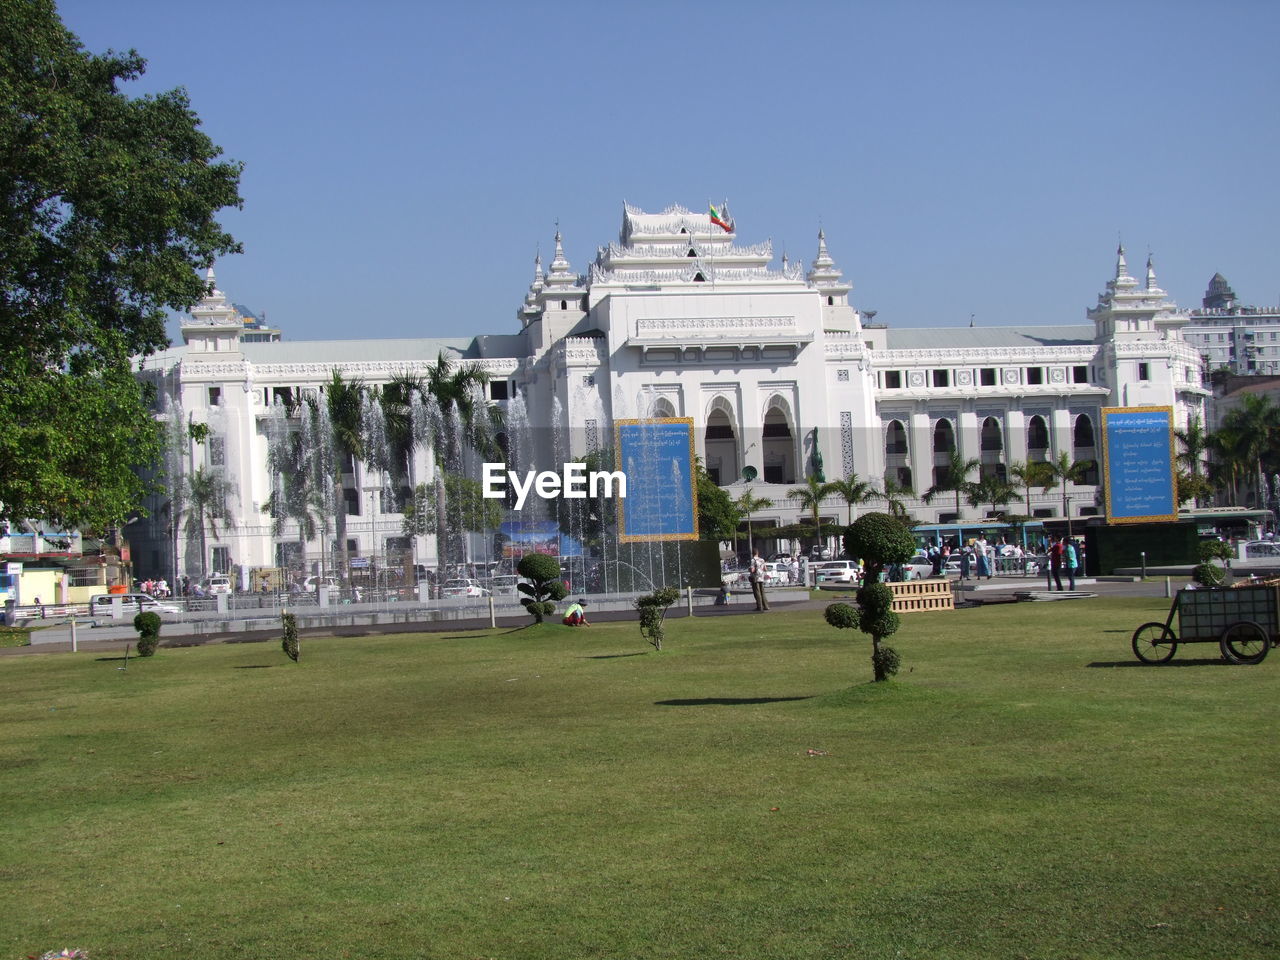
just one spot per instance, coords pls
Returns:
(1064, 554)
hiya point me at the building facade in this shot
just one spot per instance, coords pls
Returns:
(772, 362)
(1244, 341)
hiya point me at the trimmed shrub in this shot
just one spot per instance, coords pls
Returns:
(290, 641)
(1208, 574)
(1214, 550)
(545, 589)
(148, 627)
(653, 610)
(878, 539)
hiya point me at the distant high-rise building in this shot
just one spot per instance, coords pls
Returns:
(1243, 340)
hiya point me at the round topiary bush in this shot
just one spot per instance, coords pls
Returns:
(842, 616)
(545, 587)
(879, 539)
(148, 627)
(1208, 575)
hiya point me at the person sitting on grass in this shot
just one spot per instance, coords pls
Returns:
(575, 616)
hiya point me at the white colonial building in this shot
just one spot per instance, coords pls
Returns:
(776, 368)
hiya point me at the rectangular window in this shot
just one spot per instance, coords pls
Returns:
(1144, 371)
(842, 376)
(1035, 375)
(215, 396)
(221, 559)
(987, 376)
(893, 379)
(942, 378)
(1080, 374)
(497, 390)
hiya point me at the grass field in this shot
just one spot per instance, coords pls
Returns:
(1023, 789)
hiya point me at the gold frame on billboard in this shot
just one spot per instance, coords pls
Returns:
(1173, 468)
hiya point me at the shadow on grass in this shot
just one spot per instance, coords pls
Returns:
(484, 630)
(726, 701)
(112, 659)
(254, 666)
(1201, 662)
(614, 656)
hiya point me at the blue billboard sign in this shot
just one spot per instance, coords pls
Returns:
(662, 497)
(1141, 483)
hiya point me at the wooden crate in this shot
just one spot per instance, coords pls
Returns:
(916, 595)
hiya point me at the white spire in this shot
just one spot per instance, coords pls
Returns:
(1152, 286)
(560, 275)
(824, 273)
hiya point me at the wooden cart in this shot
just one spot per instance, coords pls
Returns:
(1243, 621)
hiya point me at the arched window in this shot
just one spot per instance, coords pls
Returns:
(1083, 434)
(564, 304)
(1037, 439)
(991, 437)
(944, 437)
(720, 447)
(662, 409)
(831, 301)
(895, 439)
(779, 447)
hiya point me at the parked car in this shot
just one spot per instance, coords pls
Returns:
(463, 588)
(504, 586)
(313, 583)
(833, 572)
(218, 583)
(918, 567)
(131, 604)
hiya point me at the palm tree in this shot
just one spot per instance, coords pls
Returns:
(990, 489)
(894, 496)
(954, 478)
(1065, 470)
(1227, 445)
(810, 497)
(456, 391)
(1256, 423)
(343, 399)
(1196, 444)
(853, 490)
(1033, 473)
(749, 504)
(206, 495)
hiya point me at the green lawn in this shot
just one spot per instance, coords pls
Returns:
(1023, 789)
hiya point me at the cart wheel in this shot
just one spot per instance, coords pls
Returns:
(1245, 642)
(1154, 643)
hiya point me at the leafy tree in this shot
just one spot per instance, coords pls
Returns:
(289, 639)
(954, 479)
(718, 515)
(544, 589)
(894, 496)
(107, 211)
(1255, 430)
(879, 540)
(653, 610)
(852, 491)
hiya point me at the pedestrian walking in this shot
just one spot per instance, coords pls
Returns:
(1072, 561)
(1056, 551)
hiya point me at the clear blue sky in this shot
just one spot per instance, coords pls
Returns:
(404, 159)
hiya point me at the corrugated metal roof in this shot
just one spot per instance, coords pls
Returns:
(958, 338)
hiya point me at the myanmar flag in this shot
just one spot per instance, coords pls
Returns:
(721, 217)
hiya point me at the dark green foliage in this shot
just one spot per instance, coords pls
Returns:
(290, 641)
(545, 588)
(107, 210)
(148, 627)
(1208, 574)
(1214, 550)
(885, 661)
(842, 616)
(653, 610)
(878, 539)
